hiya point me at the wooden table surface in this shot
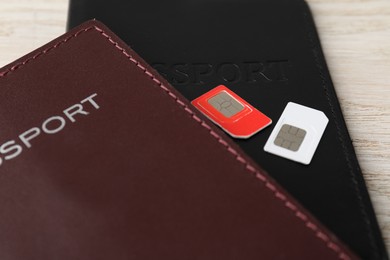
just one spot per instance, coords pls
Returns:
(355, 35)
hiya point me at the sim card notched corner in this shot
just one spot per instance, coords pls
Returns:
(297, 133)
(230, 112)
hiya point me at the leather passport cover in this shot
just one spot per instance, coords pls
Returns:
(102, 159)
(268, 53)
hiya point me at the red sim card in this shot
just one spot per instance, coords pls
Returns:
(233, 114)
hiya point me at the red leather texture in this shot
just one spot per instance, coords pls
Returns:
(103, 159)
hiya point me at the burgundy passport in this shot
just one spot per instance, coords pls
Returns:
(102, 159)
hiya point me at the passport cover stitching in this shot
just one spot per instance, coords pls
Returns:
(279, 195)
(340, 137)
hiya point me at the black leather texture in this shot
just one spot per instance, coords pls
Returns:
(268, 52)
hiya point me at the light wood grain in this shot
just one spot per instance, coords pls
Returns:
(356, 40)
(355, 35)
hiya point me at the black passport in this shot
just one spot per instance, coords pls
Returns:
(267, 52)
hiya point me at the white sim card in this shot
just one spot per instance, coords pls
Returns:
(297, 133)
